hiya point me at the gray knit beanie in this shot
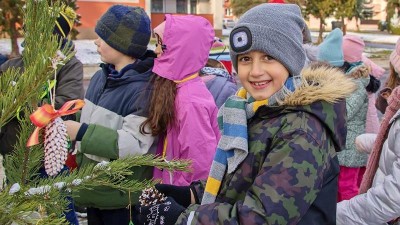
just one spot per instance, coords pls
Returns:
(126, 29)
(275, 29)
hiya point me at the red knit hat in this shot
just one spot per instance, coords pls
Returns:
(376, 70)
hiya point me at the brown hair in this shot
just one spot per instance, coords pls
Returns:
(214, 64)
(393, 79)
(162, 106)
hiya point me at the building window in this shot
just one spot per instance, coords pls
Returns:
(193, 6)
(157, 6)
(228, 12)
(181, 6)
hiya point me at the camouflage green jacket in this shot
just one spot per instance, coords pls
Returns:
(290, 174)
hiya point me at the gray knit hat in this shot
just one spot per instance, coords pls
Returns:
(275, 29)
(126, 29)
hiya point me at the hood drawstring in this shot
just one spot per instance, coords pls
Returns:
(191, 77)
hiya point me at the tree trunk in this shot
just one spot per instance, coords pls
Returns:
(321, 30)
(343, 26)
(357, 26)
(14, 40)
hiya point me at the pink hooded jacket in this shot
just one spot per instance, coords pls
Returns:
(372, 123)
(195, 134)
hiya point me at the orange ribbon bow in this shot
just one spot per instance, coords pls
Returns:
(46, 113)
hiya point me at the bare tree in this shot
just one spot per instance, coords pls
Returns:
(11, 18)
(320, 9)
(241, 6)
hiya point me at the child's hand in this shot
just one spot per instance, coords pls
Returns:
(72, 128)
(164, 213)
(365, 142)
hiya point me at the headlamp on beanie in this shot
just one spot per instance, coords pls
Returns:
(241, 39)
(275, 29)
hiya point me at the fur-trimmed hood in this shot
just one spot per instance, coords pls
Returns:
(320, 83)
(322, 93)
(360, 73)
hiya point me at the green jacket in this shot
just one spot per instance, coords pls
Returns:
(290, 175)
(115, 106)
(357, 106)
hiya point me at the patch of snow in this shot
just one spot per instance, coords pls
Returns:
(368, 37)
(86, 52)
(5, 45)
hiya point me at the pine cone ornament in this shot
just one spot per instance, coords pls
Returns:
(55, 146)
(151, 196)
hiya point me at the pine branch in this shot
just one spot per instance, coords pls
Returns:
(49, 193)
(114, 174)
(23, 165)
(31, 210)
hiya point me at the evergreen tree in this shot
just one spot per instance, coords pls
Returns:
(391, 7)
(357, 12)
(367, 9)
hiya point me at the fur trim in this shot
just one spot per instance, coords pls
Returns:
(361, 71)
(321, 83)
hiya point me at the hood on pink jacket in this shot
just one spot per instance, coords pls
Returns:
(372, 121)
(188, 40)
(159, 30)
(376, 70)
